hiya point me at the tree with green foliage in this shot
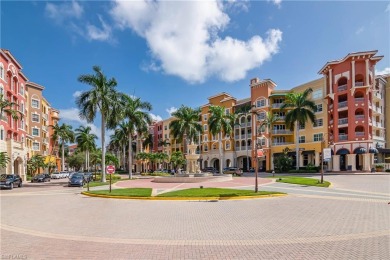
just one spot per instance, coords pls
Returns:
(177, 160)
(65, 134)
(186, 126)
(76, 160)
(299, 110)
(267, 123)
(4, 159)
(35, 163)
(143, 157)
(104, 99)
(219, 123)
(283, 162)
(9, 108)
(112, 159)
(85, 142)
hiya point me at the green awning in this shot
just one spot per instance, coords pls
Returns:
(278, 95)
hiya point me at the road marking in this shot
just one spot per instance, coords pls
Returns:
(115, 240)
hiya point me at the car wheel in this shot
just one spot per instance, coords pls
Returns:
(11, 186)
(20, 184)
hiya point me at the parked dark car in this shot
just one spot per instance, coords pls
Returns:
(232, 170)
(10, 181)
(41, 178)
(77, 179)
(210, 169)
(88, 176)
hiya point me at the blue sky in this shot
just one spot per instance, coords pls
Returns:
(173, 53)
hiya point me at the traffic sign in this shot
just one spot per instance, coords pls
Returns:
(327, 154)
(110, 169)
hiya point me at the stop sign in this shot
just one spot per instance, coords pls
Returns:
(110, 169)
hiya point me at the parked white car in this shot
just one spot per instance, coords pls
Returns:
(55, 175)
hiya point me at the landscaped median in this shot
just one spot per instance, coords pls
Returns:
(301, 181)
(187, 194)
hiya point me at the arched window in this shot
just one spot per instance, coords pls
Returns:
(21, 91)
(1, 132)
(262, 102)
(237, 145)
(2, 90)
(227, 145)
(359, 80)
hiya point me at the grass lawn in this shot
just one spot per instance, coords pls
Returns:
(302, 181)
(214, 192)
(136, 192)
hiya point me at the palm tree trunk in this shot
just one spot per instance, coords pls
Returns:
(63, 155)
(124, 156)
(297, 146)
(103, 149)
(246, 142)
(220, 152)
(88, 160)
(130, 159)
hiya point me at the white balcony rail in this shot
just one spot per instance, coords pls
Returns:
(342, 87)
(281, 143)
(44, 128)
(44, 116)
(343, 104)
(277, 105)
(359, 133)
(343, 121)
(281, 132)
(359, 99)
(359, 84)
(331, 121)
(359, 117)
(343, 137)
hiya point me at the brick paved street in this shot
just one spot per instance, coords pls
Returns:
(349, 221)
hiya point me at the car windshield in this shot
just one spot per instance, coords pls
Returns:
(77, 176)
(40, 176)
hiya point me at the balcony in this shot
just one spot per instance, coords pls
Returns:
(359, 133)
(377, 124)
(343, 121)
(342, 88)
(377, 137)
(343, 137)
(330, 106)
(343, 104)
(277, 105)
(377, 109)
(249, 124)
(331, 122)
(281, 132)
(359, 117)
(44, 116)
(237, 137)
(45, 140)
(359, 99)
(281, 118)
(281, 143)
(44, 128)
(378, 95)
(359, 84)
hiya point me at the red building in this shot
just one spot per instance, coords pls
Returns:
(356, 114)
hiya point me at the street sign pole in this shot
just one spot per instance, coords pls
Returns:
(110, 169)
(110, 183)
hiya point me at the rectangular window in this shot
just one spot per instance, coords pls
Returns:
(35, 146)
(302, 139)
(318, 137)
(319, 122)
(35, 103)
(35, 132)
(206, 148)
(261, 116)
(227, 111)
(262, 141)
(204, 117)
(165, 128)
(205, 138)
(165, 136)
(205, 127)
(35, 118)
(261, 103)
(301, 126)
(318, 108)
(317, 94)
(227, 147)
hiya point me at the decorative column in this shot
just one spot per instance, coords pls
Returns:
(351, 161)
(366, 162)
(353, 73)
(367, 73)
(336, 163)
(330, 81)
(317, 158)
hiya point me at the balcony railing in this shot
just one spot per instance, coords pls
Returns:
(281, 132)
(343, 137)
(277, 105)
(281, 118)
(378, 95)
(342, 87)
(44, 116)
(249, 124)
(359, 84)
(343, 104)
(281, 143)
(359, 99)
(237, 137)
(377, 137)
(44, 128)
(359, 133)
(359, 117)
(343, 121)
(377, 109)
(45, 140)
(331, 121)
(330, 106)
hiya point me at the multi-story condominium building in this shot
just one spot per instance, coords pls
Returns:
(355, 104)
(30, 134)
(13, 131)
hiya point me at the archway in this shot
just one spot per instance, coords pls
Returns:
(205, 164)
(242, 163)
(228, 163)
(359, 157)
(18, 166)
(215, 163)
(343, 162)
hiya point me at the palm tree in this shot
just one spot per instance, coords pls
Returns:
(96, 158)
(301, 109)
(119, 140)
(245, 111)
(177, 159)
(85, 141)
(219, 122)
(135, 112)
(65, 134)
(4, 159)
(104, 99)
(267, 123)
(186, 126)
(8, 107)
(143, 157)
(35, 163)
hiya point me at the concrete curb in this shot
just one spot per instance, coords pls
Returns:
(182, 198)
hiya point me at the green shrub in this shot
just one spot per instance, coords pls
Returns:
(302, 171)
(388, 170)
(379, 166)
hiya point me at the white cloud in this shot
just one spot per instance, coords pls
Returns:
(192, 49)
(155, 117)
(77, 93)
(59, 12)
(384, 71)
(99, 34)
(360, 30)
(278, 3)
(171, 110)
(387, 8)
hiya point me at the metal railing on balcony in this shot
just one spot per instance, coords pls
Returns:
(249, 124)
(343, 121)
(359, 133)
(359, 84)
(281, 132)
(277, 105)
(281, 143)
(331, 121)
(44, 128)
(343, 104)
(378, 95)
(377, 137)
(236, 137)
(359, 117)
(44, 116)
(45, 140)
(342, 87)
(359, 99)
(343, 137)
(281, 118)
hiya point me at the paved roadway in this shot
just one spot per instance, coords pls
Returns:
(351, 220)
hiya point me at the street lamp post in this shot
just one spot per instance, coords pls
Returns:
(322, 157)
